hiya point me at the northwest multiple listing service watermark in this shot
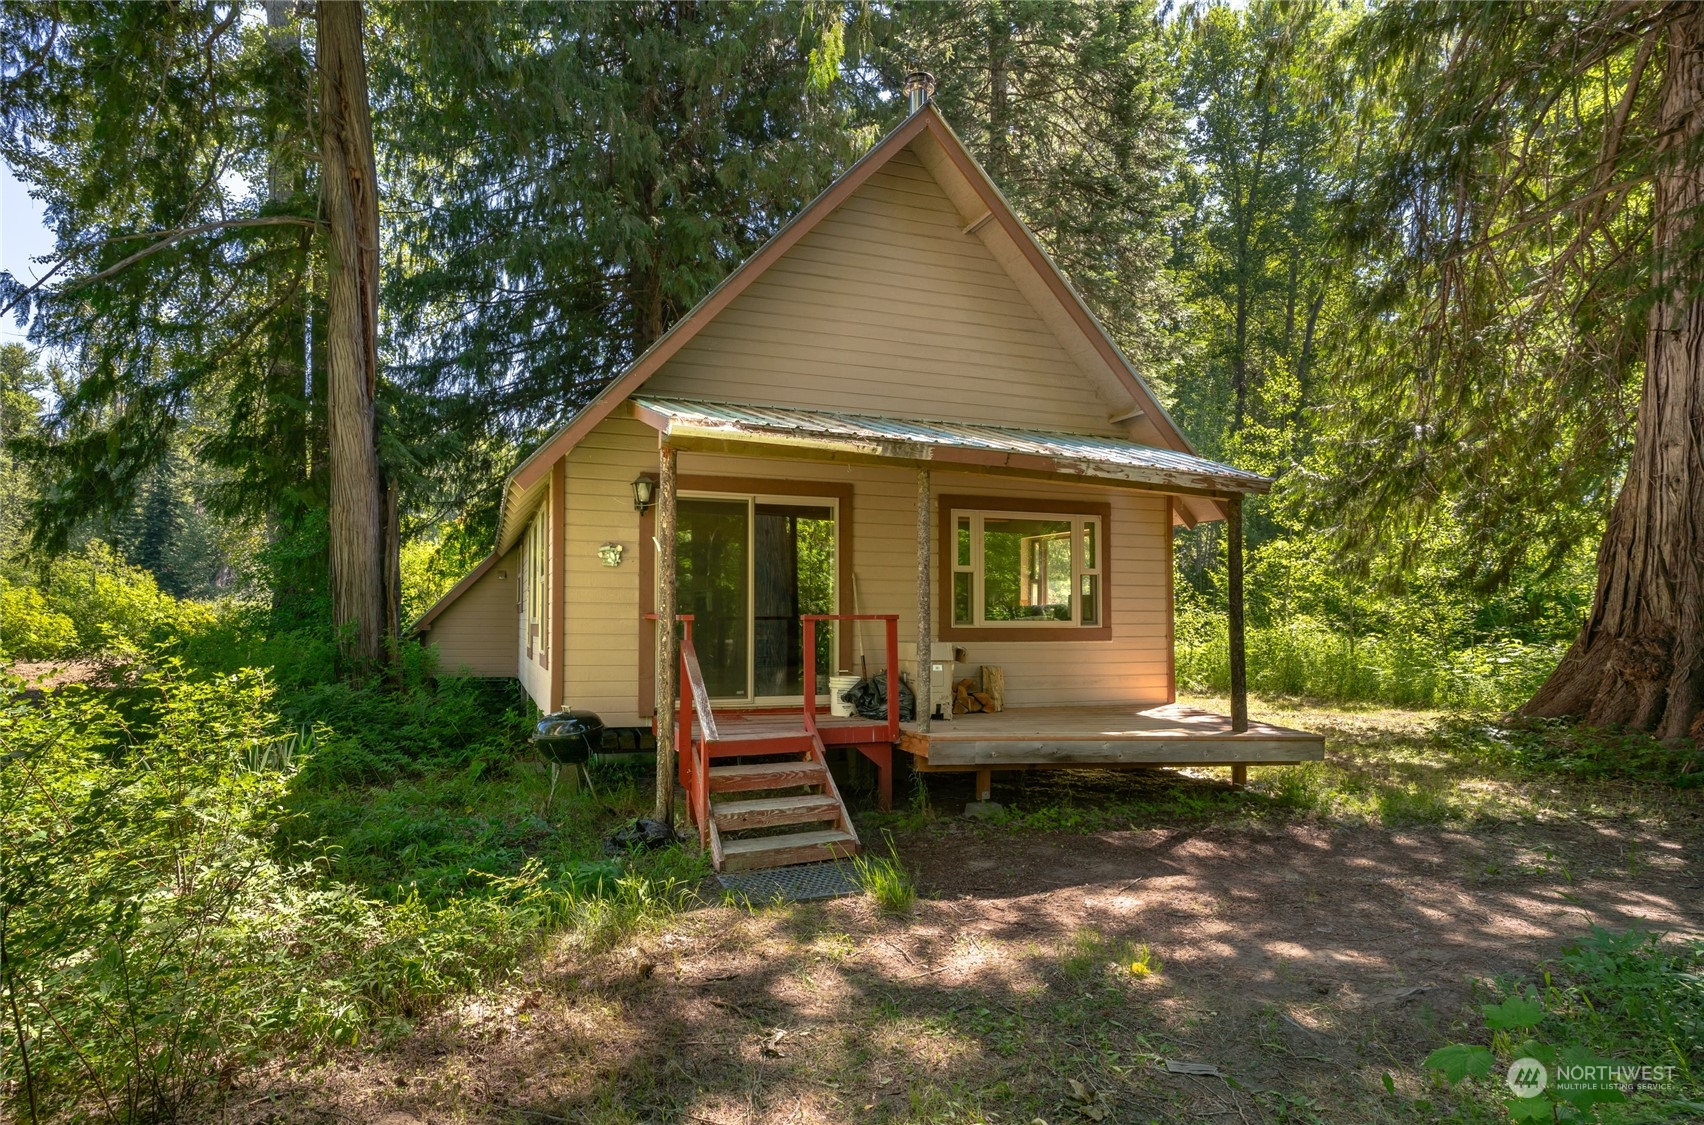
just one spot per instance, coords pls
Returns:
(1528, 1078)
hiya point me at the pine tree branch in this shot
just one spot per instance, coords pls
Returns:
(170, 239)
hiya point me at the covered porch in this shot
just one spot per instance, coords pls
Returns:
(1061, 719)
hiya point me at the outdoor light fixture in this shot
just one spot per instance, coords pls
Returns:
(644, 493)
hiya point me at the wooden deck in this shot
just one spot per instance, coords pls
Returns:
(1103, 735)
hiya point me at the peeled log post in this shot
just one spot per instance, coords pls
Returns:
(925, 625)
(1234, 569)
(1639, 659)
(668, 654)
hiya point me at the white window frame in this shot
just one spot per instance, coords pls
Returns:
(1080, 568)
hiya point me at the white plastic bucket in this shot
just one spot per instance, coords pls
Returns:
(838, 686)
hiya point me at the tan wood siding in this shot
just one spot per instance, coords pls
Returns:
(475, 635)
(602, 627)
(602, 620)
(888, 308)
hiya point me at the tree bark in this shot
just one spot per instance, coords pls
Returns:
(1636, 663)
(356, 513)
(668, 653)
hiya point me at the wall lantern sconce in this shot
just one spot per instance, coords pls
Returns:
(611, 553)
(644, 493)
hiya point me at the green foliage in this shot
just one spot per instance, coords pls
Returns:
(1254, 262)
(1616, 1003)
(1408, 667)
(644, 151)
(93, 603)
(1489, 360)
(188, 887)
(169, 148)
(30, 628)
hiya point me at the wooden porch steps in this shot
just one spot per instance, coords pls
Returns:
(765, 775)
(772, 811)
(758, 797)
(779, 851)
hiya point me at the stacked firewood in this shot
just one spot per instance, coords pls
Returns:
(973, 694)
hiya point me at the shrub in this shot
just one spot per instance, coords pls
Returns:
(157, 929)
(30, 629)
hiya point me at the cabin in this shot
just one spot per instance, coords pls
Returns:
(894, 447)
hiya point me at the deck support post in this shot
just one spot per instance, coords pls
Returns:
(881, 755)
(668, 655)
(925, 622)
(984, 785)
(1234, 571)
(1239, 775)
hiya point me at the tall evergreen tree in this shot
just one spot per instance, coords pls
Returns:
(171, 144)
(1254, 257)
(1531, 317)
(579, 177)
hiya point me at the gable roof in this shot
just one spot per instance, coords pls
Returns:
(524, 485)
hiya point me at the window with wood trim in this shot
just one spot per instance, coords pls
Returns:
(1029, 570)
(537, 587)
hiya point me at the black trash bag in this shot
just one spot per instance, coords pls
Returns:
(868, 698)
(645, 834)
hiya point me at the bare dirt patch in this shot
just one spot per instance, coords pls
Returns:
(1304, 960)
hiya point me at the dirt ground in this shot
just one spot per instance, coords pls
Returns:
(1304, 960)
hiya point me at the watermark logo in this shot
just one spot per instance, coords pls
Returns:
(1527, 1078)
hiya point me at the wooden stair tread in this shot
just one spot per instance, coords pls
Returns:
(764, 775)
(790, 840)
(780, 851)
(775, 804)
(767, 812)
(762, 735)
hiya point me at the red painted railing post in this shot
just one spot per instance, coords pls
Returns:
(893, 677)
(809, 621)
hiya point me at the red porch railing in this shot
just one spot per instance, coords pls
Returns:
(892, 620)
(692, 749)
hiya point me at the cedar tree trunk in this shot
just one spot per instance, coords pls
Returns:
(1637, 661)
(356, 514)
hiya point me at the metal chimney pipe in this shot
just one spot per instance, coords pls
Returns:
(919, 87)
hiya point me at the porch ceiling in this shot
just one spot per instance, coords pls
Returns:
(950, 444)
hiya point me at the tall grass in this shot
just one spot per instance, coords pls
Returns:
(1307, 658)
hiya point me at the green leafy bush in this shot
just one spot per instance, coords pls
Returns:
(94, 603)
(30, 628)
(167, 914)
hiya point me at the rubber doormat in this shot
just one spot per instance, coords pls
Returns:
(803, 883)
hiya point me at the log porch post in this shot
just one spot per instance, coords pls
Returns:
(925, 623)
(668, 655)
(1239, 662)
(1234, 568)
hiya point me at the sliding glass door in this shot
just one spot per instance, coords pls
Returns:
(748, 567)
